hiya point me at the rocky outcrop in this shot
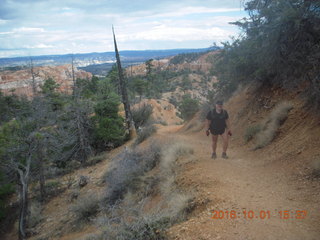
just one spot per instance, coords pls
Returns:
(20, 82)
(163, 112)
(202, 64)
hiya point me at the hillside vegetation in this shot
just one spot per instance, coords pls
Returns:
(279, 46)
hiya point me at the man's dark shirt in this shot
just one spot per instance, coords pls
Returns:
(218, 120)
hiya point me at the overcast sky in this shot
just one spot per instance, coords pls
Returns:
(40, 27)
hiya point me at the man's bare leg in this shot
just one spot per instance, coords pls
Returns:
(214, 143)
(225, 140)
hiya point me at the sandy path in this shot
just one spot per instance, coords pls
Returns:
(245, 182)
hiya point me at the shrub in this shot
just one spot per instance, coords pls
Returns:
(179, 205)
(108, 125)
(5, 191)
(251, 131)
(145, 133)
(173, 101)
(96, 159)
(86, 207)
(167, 165)
(129, 166)
(35, 216)
(52, 187)
(149, 227)
(141, 115)
(188, 107)
(94, 237)
(272, 124)
(316, 168)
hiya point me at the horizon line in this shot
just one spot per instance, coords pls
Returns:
(107, 52)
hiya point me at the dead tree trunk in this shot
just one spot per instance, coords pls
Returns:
(33, 80)
(40, 151)
(24, 173)
(73, 76)
(82, 133)
(123, 89)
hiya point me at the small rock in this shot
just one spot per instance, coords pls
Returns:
(83, 181)
(74, 196)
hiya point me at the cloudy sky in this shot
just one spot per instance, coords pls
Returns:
(41, 27)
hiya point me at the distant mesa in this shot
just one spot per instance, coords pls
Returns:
(20, 81)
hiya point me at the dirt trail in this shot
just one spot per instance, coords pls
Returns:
(244, 182)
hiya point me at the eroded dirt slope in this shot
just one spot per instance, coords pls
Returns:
(275, 178)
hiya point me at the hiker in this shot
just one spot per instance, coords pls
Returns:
(218, 124)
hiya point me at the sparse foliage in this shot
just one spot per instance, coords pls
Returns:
(271, 125)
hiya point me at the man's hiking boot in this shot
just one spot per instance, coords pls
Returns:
(214, 155)
(224, 155)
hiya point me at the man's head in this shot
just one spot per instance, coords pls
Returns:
(219, 104)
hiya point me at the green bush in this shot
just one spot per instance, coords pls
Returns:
(108, 128)
(188, 107)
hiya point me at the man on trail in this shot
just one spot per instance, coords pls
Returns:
(218, 124)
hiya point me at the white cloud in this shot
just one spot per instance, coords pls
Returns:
(6, 33)
(194, 10)
(41, 45)
(28, 30)
(178, 34)
(2, 21)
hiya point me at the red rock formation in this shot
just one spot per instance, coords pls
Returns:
(200, 64)
(21, 81)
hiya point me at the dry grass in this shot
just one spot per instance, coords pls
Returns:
(315, 166)
(178, 203)
(271, 125)
(96, 159)
(86, 207)
(142, 115)
(145, 133)
(136, 177)
(128, 169)
(251, 132)
(94, 237)
(35, 216)
(133, 226)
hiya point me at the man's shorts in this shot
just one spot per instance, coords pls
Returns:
(217, 131)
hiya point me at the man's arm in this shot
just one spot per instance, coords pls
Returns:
(207, 127)
(208, 122)
(228, 125)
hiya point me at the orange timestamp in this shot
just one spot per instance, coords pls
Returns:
(261, 214)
